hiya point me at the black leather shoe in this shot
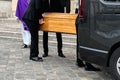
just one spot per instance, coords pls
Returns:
(80, 63)
(26, 46)
(45, 55)
(90, 67)
(37, 59)
(61, 55)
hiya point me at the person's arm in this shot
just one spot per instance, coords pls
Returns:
(40, 10)
(39, 7)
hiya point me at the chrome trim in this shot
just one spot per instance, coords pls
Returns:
(118, 65)
(93, 49)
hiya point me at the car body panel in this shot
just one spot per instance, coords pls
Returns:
(99, 30)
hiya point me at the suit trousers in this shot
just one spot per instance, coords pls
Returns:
(45, 42)
(34, 31)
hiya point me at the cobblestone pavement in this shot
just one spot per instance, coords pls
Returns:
(15, 64)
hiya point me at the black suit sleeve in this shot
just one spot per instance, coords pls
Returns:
(39, 7)
(63, 2)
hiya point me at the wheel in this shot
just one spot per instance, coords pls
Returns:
(115, 64)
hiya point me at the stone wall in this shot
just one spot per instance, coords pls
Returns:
(74, 4)
(8, 7)
(5, 8)
(14, 3)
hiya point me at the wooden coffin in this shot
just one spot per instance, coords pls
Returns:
(59, 22)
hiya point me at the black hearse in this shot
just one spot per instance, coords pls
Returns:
(98, 34)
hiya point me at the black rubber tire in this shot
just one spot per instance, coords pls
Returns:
(113, 64)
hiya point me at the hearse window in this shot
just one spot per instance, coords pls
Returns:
(111, 6)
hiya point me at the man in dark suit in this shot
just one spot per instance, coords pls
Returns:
(53, 6)
(33, 18)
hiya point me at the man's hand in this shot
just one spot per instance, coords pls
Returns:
(41, 21)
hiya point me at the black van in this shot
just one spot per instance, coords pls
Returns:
(98, 34)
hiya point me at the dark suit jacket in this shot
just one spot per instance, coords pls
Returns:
(55, 5)
(34, 10)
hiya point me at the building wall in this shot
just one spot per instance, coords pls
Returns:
(5, 8)
(14, 3)
(8, 7)
(74, 4)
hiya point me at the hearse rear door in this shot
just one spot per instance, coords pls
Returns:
(104, 23)
(104, 18)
